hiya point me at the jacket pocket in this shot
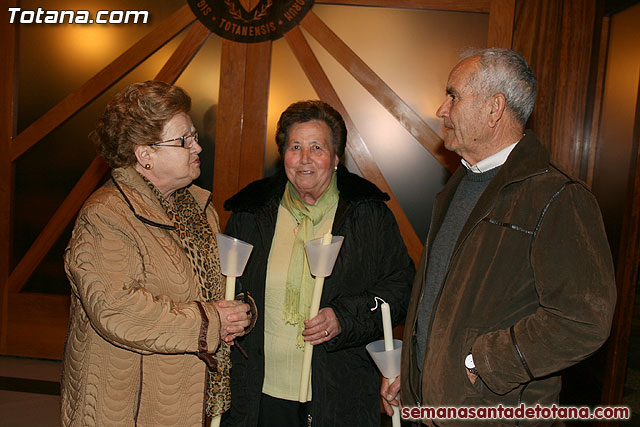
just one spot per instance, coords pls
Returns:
(473, 392)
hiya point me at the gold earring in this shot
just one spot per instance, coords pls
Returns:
(335, 168)
(147, 166)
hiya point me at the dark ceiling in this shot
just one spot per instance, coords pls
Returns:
(612, 7)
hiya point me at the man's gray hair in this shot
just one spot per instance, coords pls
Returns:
(505, 71)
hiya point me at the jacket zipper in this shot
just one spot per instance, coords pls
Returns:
(437, 300)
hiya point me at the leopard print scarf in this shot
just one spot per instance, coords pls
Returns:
(197, 239)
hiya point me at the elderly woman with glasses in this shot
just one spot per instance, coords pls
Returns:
(149, 332)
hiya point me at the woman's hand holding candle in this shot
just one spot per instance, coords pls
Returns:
(313, 312)
(315, 328)
(322, 323)
(234, 318)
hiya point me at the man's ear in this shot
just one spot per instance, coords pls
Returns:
(143, 154)
(497, 104)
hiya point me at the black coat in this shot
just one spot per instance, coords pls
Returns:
(373, 261)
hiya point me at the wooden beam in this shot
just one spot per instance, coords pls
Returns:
(184, 53)
(597, 103)
(481, 6)
(256, 102)
(501, 17)
(56, 225)
(627, 276)
(355, 145)
(242, 119)
(380, 91)
(573, 78)
(595, 93)
(7, 128)
(113, 72)
(226, 170)
(539, 23)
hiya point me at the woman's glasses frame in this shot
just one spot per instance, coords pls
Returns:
(186, 141)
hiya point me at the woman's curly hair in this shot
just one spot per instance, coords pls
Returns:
(136, 116)
(306, 111)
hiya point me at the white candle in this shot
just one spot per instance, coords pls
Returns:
(232, 261)
(326, 239)
(230, 289)
(386, 326)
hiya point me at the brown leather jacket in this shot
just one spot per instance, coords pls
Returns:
(530, 290)
(134, 327)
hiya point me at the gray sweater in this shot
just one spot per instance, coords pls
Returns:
(465, 198)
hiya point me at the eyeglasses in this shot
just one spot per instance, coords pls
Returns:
(186, 141)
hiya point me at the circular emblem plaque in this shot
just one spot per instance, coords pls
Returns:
(250, 21)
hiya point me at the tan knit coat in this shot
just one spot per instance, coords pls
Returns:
(129, 357)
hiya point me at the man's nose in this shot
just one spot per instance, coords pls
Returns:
(443, 110)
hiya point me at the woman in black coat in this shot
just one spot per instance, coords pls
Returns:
(314, 195)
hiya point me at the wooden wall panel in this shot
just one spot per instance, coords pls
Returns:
(226, 170)
(538, 23)
(256, 99)
(242, 119)
(574, 76)
(7, 129)
(590, 152)
(557, 38)
(451, 5)
(39, 325)
(501, 17)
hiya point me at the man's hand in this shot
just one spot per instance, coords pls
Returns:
(389, 393)
(472, 378)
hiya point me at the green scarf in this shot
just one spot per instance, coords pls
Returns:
(300, 283)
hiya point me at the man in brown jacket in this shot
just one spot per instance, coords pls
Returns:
(516, 280)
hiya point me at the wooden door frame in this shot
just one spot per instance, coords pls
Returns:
(627, 276)
(7, 126)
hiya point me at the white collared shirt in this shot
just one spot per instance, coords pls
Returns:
(492, 161)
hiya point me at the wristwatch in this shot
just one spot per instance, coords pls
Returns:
(468, 363)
